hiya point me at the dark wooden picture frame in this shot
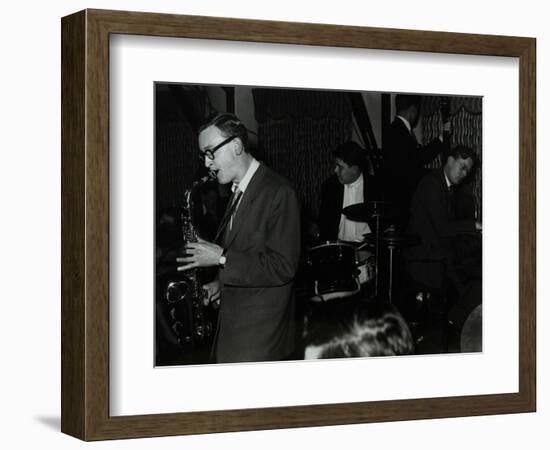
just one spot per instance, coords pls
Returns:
(85, 224)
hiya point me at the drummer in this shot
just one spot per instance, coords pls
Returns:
(350, 184)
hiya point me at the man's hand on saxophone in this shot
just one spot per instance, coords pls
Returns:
(200, 254)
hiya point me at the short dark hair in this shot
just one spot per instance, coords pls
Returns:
(377, 329)
(464, 152)
(229, 125)
(352, 154)
(404, 101)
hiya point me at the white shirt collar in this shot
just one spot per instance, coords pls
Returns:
(349, 230)
(243, 184)
(447, 180)
(406, 122)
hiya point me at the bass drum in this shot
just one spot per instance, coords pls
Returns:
(334, 271)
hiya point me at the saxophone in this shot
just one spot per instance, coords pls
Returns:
(190, 322)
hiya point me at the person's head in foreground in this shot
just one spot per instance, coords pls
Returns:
(369, 330)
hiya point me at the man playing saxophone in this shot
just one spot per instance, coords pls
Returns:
(256, 250)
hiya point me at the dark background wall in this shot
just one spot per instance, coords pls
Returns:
(293, 131)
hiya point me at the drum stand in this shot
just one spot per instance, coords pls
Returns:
(391, 248)
(392, 240)
(377, 213)
(376, 251)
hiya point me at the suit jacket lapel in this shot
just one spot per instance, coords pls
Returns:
(247, 200)
(220, 232)
(447, 192)
(411, 137)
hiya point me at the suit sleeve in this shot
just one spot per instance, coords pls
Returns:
(427, 153)
(273, 259)
(398, 150)
(432, 199)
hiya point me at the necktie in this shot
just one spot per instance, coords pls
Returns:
(452, 202)
(230, 212)
(234, 206)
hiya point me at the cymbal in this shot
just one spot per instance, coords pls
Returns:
(361, 212)
(470, 336)
(376, 202)
(393, 237)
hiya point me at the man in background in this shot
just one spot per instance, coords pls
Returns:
(404, 157)
(435, 263)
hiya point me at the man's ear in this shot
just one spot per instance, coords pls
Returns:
(238, 146)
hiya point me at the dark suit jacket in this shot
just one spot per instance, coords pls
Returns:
(433, 220)
(256, 319)
(332, 199)
(404, 161)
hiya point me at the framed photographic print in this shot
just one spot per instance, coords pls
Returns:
(271, 224)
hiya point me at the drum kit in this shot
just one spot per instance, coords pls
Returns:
(340, 269)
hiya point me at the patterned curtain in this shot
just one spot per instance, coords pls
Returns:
(431, 105)
(176, 157)
(297, 131)
(465, 114)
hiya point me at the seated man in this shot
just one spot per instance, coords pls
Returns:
(433, 219)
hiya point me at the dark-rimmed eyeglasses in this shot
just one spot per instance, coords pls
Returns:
(209, 152)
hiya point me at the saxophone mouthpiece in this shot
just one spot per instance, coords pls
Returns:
(202, 180)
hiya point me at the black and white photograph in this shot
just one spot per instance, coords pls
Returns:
(297, 224)
(269, 225)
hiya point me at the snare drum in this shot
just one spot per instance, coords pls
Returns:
(334, 271)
